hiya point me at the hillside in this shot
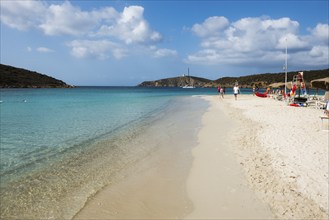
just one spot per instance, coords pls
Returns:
(12, 77)
(178, 82)
(261, 80)
(265, 79)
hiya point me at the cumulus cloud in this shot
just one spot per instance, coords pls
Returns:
(130, 27)
(66, 20)
(256, 40)
(211, 26)
(100, 49)
(321, 32)
(22, 15)
(99, 27)
(163, 52)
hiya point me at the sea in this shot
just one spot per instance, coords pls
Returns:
(61, 146)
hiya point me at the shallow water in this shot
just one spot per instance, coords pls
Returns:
(154, 187)
(60, 146)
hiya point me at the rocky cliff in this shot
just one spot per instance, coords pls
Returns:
(12, 77)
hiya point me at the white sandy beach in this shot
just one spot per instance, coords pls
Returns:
(255, 159)
(284, 152)
(217, 185)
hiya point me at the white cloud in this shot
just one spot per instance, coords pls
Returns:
(22, 15)
(44, 50)
(292, 41)
(99, 27)
(53, 19)
(100, 49)
(259, 40)
(67, 20)
(163, 52)
(318, 51)
(130, 27)
(321, 32)
(210, 26)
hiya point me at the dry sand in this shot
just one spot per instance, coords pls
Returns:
(284, 151)
(255, 159)
(217, 185)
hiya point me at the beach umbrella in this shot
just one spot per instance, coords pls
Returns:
(280, 85)
(321, 83)
(276, 85)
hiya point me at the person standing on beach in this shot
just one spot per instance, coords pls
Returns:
(236, 91)
(219, 89)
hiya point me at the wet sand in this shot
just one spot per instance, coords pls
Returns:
(194, 174)
(155, 186)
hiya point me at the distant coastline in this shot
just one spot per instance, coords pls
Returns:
(261, 80)
(13, 77)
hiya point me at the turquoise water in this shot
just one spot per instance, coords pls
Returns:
(37, 124)
(59, 146)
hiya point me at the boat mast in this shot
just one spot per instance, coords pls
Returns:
(188, 75)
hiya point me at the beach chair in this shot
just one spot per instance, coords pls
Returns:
(312, 101)
(326, 111)
(321, 104)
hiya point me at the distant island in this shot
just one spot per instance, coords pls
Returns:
(261, 80)
(13, 77)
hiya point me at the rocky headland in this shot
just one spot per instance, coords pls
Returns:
(13, 77)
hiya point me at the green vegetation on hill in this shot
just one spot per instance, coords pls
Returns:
(177, 82)
(12, 77)
(265, 79)
(261, 80)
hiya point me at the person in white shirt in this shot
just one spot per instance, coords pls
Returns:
(236, 91)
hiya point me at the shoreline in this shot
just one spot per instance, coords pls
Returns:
(155, 186)
(246, 163)
(217, 185)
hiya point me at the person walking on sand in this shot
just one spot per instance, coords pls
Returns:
(218, 89)
(222, 92)
(236, 91)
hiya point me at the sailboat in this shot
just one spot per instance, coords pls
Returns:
(189, 85)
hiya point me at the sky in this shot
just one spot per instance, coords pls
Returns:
(123, 43)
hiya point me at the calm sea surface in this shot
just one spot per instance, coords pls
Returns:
(54, 140)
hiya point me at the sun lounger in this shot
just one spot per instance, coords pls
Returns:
(317, 102)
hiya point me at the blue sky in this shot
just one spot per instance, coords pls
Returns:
(127, 42)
